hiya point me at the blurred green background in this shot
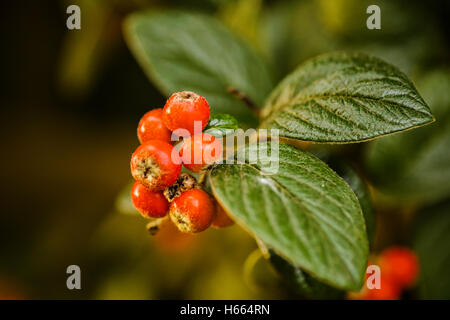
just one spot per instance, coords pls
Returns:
(71, 101)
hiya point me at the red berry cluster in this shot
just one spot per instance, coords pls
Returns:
(399, 268)
(160, 187)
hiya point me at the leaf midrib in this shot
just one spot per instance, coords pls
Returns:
(299, 101)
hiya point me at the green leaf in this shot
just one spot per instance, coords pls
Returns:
(342, 98)
(432, 245)
(354, 180)
(359, 187)
(189, 51)
(220, 125)
(304, 211)
(362, 192)
(302, 283)
(415, 166)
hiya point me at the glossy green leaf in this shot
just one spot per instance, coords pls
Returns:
(432, 245)
(304, 211)
(415, 166)
(342, 98)
(362, 192)
(354, 180)
(189, 51)
(360, 189)
(302, 283)
(220, 125)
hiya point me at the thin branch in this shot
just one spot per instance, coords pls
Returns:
(203, 173)
(244, 98)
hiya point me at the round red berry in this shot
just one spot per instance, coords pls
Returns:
(222, 219)
(151, 127)
(185, 109)
(200, 150)
(156, 164)
(151, 204)
(192, 211)
(400, 264)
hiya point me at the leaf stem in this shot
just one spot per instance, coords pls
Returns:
(202, 179)
(246, 99)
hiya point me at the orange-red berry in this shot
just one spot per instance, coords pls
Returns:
(192, 211)
(222, 219)
(156, 164)
(399, 264)
(151, 204)
(151, 127)
(182, 110)
(200, 150)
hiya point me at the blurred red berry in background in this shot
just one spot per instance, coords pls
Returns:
(400, 264)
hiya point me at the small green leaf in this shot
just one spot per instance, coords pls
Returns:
(222, 121)
(304, 211)
(342, 98)
(189, 51)
(221, 125)
(302, 283)
(415, 166)
(432, 245)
